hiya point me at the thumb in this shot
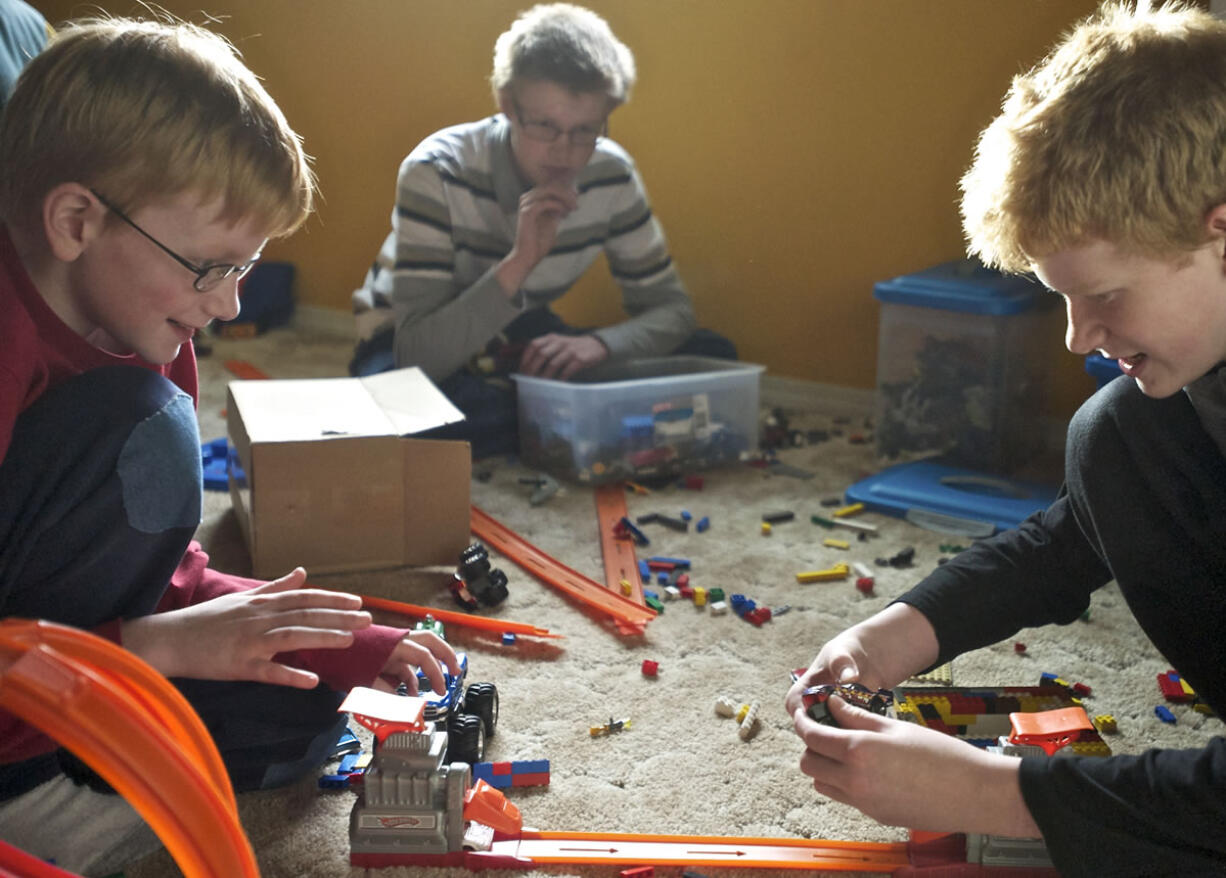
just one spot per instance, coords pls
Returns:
(296, 578)
(848, 716)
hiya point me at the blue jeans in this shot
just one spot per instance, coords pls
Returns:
(100, 494)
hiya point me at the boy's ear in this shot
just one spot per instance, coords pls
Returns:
(1215, 221)
(504, 102)
(72, 219)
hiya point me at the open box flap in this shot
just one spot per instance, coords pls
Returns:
(410, 401)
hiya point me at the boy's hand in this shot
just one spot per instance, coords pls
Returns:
(560, 356)
(235, 636)
(879, 652)
(888, 769)
(418, 649)
(541, 209)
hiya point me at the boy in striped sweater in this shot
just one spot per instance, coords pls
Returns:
(494, 220)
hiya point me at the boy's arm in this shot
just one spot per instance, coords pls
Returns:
(356, 665)
(1127, 815)
(1041, 572)
(439, 325)
(661, 314)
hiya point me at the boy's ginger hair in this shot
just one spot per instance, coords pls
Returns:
(566, 44)
(143, 110)
(1119, 134)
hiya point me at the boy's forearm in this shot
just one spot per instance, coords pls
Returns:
(995, 805)
(901, 640)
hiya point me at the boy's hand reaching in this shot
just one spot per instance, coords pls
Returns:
(418, 649)
(235, 636)
(889, 769)
(560, 356)
(879, 652)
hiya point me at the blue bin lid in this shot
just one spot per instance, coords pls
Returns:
(963, 285)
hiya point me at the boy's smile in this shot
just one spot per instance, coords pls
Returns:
(1163, 321)
(127, 296)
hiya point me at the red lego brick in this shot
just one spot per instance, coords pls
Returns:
(535, 779)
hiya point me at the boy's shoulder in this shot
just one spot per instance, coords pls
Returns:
(468, 145)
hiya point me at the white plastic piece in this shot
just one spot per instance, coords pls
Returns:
(749, 725)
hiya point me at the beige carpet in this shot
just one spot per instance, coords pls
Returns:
(680, 768)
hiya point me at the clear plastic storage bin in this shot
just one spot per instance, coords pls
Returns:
(639, 418)
(960, 367)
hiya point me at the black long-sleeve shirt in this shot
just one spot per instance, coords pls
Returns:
(1145, 504)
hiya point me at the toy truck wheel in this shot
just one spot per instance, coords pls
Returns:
(465, 739)
(481, 700)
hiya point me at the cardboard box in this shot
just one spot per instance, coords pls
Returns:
(331, 478)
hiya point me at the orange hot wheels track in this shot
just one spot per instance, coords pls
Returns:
(128, 723)
(541, 848)
(619, 561)
(552, 572)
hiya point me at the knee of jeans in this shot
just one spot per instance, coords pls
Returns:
(160, 469)
(159, 464)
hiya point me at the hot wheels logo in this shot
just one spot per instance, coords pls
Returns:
(393, 822)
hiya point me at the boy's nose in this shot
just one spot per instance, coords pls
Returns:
(1085, 332)
(221, 302)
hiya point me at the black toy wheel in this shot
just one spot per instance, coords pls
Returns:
(465, 739)
(481, 699)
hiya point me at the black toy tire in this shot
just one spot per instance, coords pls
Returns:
(481, 699)
(465, 739)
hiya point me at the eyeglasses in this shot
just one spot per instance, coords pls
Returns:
(207, 276)
(547, 132)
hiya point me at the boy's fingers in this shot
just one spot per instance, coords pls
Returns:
(292, 639)
(284, 675)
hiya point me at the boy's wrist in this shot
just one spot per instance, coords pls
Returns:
(512, 272)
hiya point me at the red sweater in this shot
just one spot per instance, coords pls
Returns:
(37, 352)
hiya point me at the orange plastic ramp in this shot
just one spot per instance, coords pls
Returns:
(128, 723)
(620, 564)
(1049, 729)
(552, 572)
(539, 848)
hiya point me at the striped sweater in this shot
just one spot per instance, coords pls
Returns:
(457, 202)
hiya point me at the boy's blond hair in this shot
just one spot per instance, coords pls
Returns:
(566, 44)
(142, 110)
(1119, 135)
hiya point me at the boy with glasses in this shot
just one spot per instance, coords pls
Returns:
(144, 169)
(495, 220)
(1105, 175)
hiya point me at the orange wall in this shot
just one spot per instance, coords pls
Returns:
(795, 150)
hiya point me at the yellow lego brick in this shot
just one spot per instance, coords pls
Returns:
(853, 509)
(838, 571)
(836, 544)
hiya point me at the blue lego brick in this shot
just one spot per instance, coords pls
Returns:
(347, 763)
(530, 766)
(347, 743)
(1164, 713)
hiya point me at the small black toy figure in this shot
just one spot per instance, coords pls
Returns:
(815, 698)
